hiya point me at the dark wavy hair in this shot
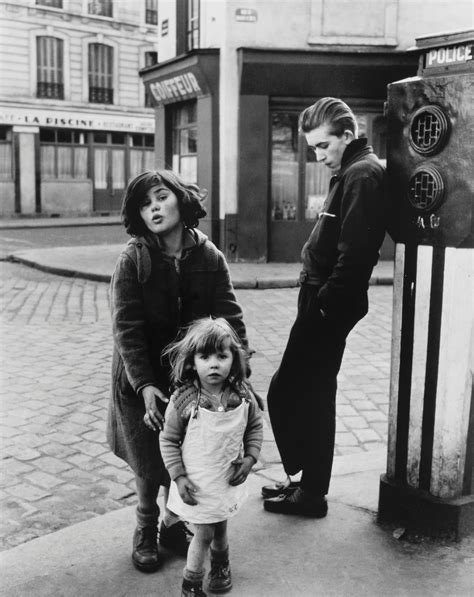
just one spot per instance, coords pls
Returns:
(206, 336)
(331, 111)
(190, 198)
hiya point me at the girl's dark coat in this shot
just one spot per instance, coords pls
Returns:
(152, 295)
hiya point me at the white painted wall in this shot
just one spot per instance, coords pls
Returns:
(303, 24)
(167, 43)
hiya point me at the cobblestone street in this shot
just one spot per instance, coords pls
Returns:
(55, 351)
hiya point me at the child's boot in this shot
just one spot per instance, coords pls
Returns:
(220, 578)
(145, 547)
(192, 584)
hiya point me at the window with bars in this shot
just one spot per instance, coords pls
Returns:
(151, 12)
(101, 74)
(184, 140)
(50, 3)
(192, 36)
(63, 154)
(6, 156)
(150, 59)
(49, 68)
(102, 8)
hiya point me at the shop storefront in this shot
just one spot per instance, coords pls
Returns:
(64, 163)
(185, 92)
(280, 187)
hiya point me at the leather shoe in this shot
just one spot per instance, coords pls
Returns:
(176, 537)
(145, 555)
(299, 503)
(271, 491)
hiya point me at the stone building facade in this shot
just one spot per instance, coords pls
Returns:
(75, 121)
(232, 79)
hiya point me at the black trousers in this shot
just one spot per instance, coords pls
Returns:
(302, 393)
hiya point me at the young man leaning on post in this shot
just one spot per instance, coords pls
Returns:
(338, 259)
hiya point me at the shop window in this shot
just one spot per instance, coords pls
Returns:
(285, 166)
(100, 137)
(118, 138)
(50, 3)
(150, 59)
(184, 141)
(151, 12)
(193, 25)
(63, 154)
(102, 8)
(49, 57)
(101, 74)
(142, 156)
(6, 161)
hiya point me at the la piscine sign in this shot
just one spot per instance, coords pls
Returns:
(75, 120)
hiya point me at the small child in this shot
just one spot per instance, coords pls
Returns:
(211, 416)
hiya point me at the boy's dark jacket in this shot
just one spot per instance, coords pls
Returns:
(343, 247)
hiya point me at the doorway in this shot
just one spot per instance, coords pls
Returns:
(109, 170)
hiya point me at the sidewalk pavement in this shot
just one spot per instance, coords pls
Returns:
(345, 554)
(96, 262)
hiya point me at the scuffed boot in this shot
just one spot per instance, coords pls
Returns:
(192, 584)
(220, 578)
(145, 547)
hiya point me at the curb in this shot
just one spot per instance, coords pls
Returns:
(241, 284)
(22, 224)
(59, 271)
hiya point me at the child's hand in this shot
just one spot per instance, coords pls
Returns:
(186, 489)
(243, 467)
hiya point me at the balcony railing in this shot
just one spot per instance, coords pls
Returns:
(50, 90)
(101, 95)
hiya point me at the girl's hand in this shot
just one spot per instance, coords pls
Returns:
(186, 489)
(243, 466)
(153, 419)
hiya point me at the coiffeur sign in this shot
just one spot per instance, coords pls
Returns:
(176, 88)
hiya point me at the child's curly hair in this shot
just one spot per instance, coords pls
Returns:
(206, 336)
(190, 198)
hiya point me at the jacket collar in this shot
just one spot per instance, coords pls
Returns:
(354, 151)
(192, 238)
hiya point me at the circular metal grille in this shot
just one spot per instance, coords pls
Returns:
(425, 189)
(429, 129)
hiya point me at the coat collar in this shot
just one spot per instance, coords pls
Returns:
(192, 238)
(353, 152)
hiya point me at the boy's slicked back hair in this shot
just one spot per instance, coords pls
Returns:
(330, 111)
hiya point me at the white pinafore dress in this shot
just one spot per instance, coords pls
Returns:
(213, 440)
